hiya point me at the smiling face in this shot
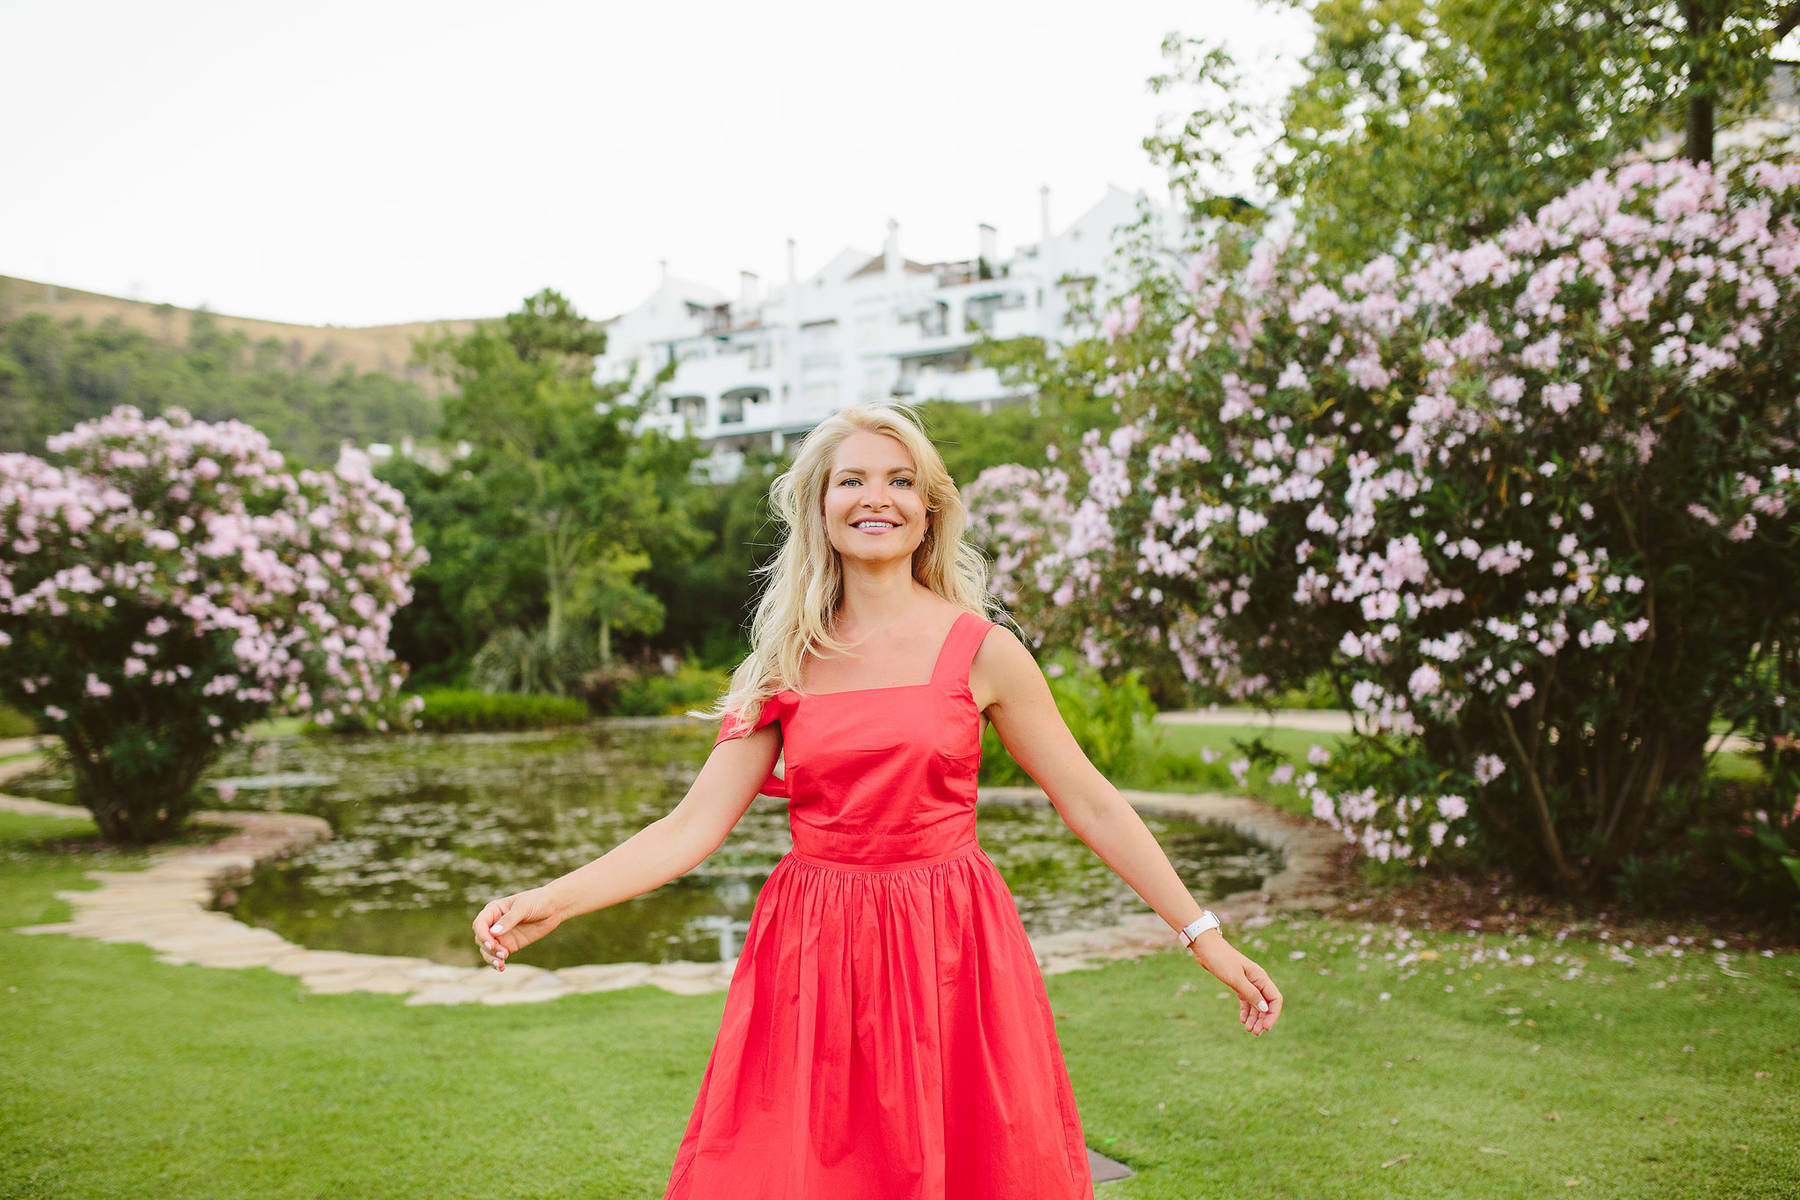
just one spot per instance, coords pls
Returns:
(873, 509)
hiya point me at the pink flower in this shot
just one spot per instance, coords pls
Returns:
(1561, 397)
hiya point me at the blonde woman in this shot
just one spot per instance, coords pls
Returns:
(886, 1031)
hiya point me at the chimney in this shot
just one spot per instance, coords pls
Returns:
(1044, 205)
(749, 293)
(891, 260)
(989, 250)
(792, 296)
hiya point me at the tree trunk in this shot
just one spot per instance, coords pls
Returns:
(1702, 22)
(554, 586)
(1699, 128)
(136, 809)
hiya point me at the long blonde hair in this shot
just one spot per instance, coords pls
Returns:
(797, 611)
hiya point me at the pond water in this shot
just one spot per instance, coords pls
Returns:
(430, 827)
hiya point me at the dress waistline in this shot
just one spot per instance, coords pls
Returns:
(970, 847)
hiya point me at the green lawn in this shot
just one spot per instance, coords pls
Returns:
(1164, 772)
(1177, 742)
(1631, 1073)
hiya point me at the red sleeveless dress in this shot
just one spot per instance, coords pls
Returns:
(886, 1033)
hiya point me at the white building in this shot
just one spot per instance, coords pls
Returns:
(756, 369)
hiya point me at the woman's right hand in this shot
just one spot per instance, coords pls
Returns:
(511, 923)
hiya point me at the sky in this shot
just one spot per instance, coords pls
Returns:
(377, 162)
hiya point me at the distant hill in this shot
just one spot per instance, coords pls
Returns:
(382, 348)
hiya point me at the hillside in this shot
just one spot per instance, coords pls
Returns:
(381, 348)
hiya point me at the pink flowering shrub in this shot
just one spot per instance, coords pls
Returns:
(171, 583)
(1531, 503)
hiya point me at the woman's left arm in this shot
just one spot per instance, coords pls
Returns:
(1012, 691)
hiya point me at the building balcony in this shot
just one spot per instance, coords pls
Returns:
(960, 387)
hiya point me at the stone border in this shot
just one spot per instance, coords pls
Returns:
(164, 906)
(1309, 878)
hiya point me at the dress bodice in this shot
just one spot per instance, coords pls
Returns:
(882, 776)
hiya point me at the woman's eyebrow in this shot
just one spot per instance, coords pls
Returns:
(864, 471)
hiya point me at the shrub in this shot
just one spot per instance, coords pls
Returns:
(653, 693)
(173, 583)
(1530, 504)
(1105, 717)
(452, 710)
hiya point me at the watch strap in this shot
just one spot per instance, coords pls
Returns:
(1207, 919)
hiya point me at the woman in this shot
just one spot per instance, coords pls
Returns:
(886, 1031)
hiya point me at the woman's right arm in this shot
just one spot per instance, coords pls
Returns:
(667, 848)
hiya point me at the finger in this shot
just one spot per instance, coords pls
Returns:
(1274, 1011)
(492, 953)
(485, 918)
(493, 950)
(1256, 1012)
(1261, 991)
(1249, 996)
(1271, 996)
(508, 916)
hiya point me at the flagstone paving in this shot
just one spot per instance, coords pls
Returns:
(165, 906)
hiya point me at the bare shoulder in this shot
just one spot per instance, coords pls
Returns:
(1001, 664)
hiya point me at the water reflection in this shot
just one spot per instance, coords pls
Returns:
(430, 827)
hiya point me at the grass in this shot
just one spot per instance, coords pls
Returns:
(1161, 763)
(1589, 1070)
(1172, 759)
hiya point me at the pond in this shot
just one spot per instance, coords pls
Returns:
(430, 827)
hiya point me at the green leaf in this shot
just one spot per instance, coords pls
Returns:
(1792, 863)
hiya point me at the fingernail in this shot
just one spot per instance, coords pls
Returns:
(497, 928)
(1262, 1005)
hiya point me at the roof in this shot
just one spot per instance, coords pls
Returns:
(879, 263)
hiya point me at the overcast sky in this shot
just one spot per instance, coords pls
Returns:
(373, 162)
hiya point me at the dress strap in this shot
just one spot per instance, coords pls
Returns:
(959, 648)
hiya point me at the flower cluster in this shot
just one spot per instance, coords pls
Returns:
(1476, 486)
(175, 564)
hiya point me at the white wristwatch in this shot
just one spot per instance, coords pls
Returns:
(1208, 919)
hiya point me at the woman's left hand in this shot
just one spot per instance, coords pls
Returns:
(1259, 1000)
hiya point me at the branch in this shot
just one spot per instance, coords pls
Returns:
(1784, 24)
(1539, 801)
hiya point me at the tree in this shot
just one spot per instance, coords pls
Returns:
(53, 377)
(1421, 122)
(558, 491)
(174, 582)
(1534, 504)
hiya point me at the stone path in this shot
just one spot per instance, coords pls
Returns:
(165, 906)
